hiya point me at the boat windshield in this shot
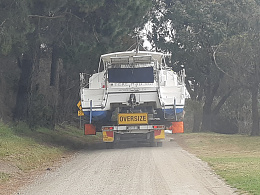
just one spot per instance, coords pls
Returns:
(131, 75)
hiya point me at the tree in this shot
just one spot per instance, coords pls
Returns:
(191, 30)
(242, 54)
(14, 26)
(76, 32)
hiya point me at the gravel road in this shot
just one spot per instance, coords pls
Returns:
(131, 170)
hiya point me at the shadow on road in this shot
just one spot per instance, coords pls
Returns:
(121, 145)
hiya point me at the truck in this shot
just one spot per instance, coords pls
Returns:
(133, 96)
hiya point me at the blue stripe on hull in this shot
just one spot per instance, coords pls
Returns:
(96, 115)
(171, 111)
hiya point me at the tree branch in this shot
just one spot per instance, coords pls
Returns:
(215, 61)
(222, 101)
(3, 23)
(47, 17)
(55, 17)
(191, 92)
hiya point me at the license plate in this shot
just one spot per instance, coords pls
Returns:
(132, 118)
(132, 127)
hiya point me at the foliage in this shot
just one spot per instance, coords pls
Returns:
(14, 26)
(40, 113)
(237, 108)
(74, 33)
(242, 54)
(192, 31)
(84, 29)
(201, 35)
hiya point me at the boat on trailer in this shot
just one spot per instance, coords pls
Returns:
(133, 82)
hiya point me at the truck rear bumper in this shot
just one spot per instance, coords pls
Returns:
(143, 133)
(134, 128)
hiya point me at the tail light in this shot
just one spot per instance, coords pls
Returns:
(158, 127)
(108, 128)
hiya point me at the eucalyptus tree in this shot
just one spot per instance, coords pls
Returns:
(191, 31)
(242, 53)
(14, 26)
(76, 31)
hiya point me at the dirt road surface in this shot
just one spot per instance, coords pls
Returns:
(131, 170)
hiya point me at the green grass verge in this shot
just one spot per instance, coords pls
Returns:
(4, 177)
(28, 150)
(236, 158)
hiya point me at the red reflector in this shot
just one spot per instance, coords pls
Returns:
(110, 133)
(108, 128)
(158, 126)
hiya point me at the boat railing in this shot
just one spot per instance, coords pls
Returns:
(181, 77)
(130, 65)
(84, 80)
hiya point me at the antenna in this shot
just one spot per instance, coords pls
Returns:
(136, 34)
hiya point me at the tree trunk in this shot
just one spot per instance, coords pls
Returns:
(210, 92)
(222, 101)
(196, 123)
(196, 96)
(54, 65)
(24, 87)
(206, 117)
(197, 111)
(54, 84)
(255, 114)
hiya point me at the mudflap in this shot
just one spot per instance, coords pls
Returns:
(159, 134)
(89, 129)
(108, 136)
(177, 127)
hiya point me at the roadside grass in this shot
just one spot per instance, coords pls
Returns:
(4, 177)
(28, 150)
(236, 158)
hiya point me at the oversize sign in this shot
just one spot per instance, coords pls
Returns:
(132, 118)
